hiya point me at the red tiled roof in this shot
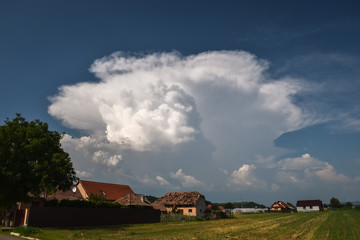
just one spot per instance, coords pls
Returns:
(111, 191)
(304, 203)
(180, 198)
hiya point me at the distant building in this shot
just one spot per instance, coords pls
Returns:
(281, 206)
(309, 205)
(186, 203)
(109, 191)
(249, 210)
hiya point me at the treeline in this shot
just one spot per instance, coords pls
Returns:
(232, 205)
(151, 198)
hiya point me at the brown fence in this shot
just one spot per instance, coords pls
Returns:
(73, 217)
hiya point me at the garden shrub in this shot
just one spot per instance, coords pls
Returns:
(27, 231)
(179, 218)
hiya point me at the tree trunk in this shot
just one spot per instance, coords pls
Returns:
(9, 216)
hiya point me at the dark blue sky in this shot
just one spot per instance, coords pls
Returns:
(48, 44)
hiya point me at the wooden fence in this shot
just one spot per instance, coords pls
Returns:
(74, 217)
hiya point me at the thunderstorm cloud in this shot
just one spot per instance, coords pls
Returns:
(172, 121)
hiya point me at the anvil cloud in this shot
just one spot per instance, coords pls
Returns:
(170, 121)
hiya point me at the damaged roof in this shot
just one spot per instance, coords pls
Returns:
(132, 199)
(180, 198)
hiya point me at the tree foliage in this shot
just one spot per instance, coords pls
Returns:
(335, 203)
(349, 204)
(232, 205)
(31, 161)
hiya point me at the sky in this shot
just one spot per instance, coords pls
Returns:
(238, 100)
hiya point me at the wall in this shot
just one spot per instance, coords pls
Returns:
(71, 217)
(200, 207)
(308, 209)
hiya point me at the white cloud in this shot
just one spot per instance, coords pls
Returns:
(328, 174)
(186, 181)
(309, 167)
(303, 162)
(150, 101)
(223, 171)
(162, 181)
(150, 114)
(104, 157)
(245, 178)
(83, 174)
(357, 179)
(275, 187)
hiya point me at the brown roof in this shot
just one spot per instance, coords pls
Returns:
(68, 195)
(281, 204)
(304, 203)
(180, 198)
(159, 206)
(111, 191)
(132, 199)
(60, 195)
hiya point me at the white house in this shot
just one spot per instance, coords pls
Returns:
(309, 205)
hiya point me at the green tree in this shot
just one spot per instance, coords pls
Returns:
(31, 161)
(335, 203)
(229, 205)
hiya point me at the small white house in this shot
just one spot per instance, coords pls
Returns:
(309, 205)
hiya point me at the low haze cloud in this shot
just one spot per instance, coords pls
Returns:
(172, 122)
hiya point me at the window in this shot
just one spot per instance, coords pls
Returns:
(190, 210)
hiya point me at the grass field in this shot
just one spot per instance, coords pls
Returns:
(318, 225)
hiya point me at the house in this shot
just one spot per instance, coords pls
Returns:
(81, 191)
(309, 205)
(133, 199)
(281, 206)
(109, 191)
(140, 200)
(70, 194)
(187, 203)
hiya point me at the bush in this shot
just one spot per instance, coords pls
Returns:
(27, 231)
(357, 207)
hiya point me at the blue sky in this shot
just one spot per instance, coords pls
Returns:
(239, 100)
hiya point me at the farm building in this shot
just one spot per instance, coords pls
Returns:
(110, 191)
(309, 205)
(281, 206)
(186, 203)
(81, 191)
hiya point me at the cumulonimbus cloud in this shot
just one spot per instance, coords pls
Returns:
(153, 100)
(159, 101)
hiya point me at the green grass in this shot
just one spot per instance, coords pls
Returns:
(318, 225)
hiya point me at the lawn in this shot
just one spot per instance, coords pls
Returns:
(318, 225)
